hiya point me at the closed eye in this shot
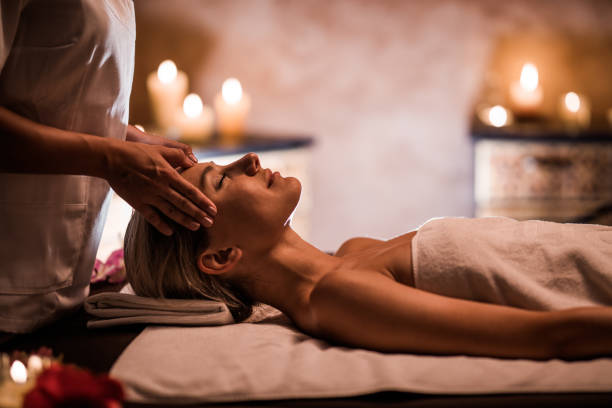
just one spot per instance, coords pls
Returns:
(221, 181)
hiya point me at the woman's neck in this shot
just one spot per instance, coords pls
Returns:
(285, 275)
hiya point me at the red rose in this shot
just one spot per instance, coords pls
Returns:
(69, 386)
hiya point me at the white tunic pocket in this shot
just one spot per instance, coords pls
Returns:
(49, 214)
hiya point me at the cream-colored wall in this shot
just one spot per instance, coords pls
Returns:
(386, 87)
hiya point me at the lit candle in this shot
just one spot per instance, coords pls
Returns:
(167, 87)
(194, 123)
(231, 107)
(526, 94)
(13, 388)
(497, 116)
(18, 372)
(575, 110)
(35, 365)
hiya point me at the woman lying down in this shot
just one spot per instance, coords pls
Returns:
(364, 295)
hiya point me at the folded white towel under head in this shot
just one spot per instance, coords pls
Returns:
(125, 307)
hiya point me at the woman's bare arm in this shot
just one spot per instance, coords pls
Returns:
(369, 310)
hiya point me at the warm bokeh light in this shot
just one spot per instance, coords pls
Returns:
(192, 106)
(231, 91)
(18, 372)
(35, 363)
(167, 72)
(498, 116)
(572, 102)
(139, 127)
(529, 77)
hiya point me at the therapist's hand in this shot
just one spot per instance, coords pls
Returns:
(136, 135)
(145, 176)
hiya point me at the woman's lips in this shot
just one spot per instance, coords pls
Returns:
(271, 176)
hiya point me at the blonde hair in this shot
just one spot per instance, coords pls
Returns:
(161, 266)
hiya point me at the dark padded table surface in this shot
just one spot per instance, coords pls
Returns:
(98, 349)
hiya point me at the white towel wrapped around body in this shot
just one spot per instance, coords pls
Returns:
(534, 265)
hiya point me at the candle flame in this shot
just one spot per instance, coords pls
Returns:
(572, 102)
(167, 72)
(231, 91)
(529, 77)
(192, 106)
(498, 116)
(18, 372)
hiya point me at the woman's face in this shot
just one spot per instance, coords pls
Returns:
(253, 204)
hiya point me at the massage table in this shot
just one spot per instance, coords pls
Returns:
(99, 349)
(267, 362)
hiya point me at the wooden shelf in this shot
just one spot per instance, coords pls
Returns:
(251, 143)
(541, 132)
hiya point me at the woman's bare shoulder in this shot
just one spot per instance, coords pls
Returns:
(357, 244)
(337, 295)
(326, 288)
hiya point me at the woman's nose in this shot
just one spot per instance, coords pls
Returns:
(250, 164)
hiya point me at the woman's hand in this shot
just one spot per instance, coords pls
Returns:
(145, 176)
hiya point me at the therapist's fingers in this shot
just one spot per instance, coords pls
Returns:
(184, 211)
(184, 203)
(135, 135)
(145, 176)
(197, 199)
(178, 158)
(154, 219)
(182, 146)
(173, 213)
(179, 209)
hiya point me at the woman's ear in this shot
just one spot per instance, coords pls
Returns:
(216, 262)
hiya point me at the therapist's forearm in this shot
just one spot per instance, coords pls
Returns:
(29, 147)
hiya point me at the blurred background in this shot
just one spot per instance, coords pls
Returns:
(387, 89)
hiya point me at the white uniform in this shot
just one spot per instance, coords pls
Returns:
(67, 64)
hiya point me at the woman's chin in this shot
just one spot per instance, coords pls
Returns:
(297, 192)
(295, 183)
